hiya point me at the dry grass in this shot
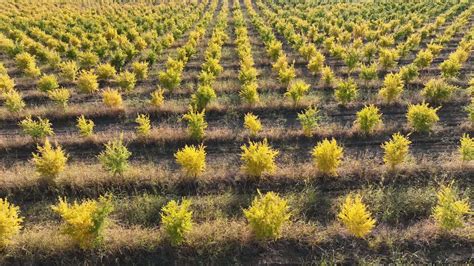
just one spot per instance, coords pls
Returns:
(220, 238)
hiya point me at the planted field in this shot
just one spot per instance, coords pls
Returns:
(236, 132)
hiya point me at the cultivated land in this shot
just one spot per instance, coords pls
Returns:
(193, 33)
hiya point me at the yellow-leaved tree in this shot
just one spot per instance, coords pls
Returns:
(327, 156)
(10, 222)
(396, 150)
(85, 222)
(49, 162)
(267, 214)
(258, 158)
(355, 216)
(253, 124)
(466, 149)
(450, 209)
(177, 220)
(192, 159)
